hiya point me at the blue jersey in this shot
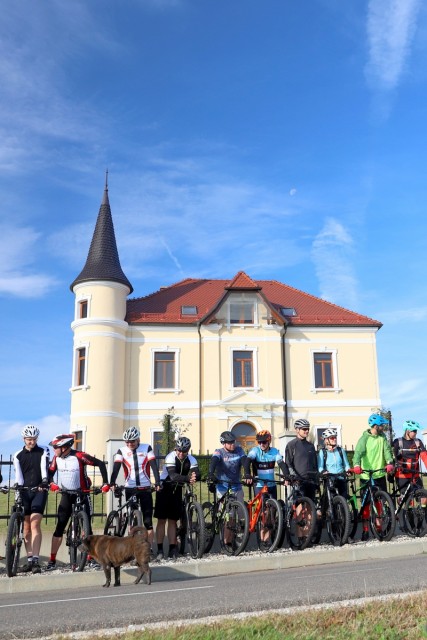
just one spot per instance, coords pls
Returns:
(336, 461)
(229, 465)
(265, 461)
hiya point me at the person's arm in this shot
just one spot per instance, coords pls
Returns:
(115, 472)
(359, 451)
(103, 469)
(155, 469)
(19, 476)
(213, 465)
(321, 461)
(44, 465)
(283, 468)
(345, 458)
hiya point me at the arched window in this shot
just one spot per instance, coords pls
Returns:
(245, 434)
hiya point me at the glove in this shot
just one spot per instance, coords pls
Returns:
(54, 487)
(105, 488)
(16, 486)
(389, 468)
(211, 479)
(44, 484)
(117, 492)
(357, 470)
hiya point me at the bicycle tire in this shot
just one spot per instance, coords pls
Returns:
(80, 523)
(112, 524)
(414, 515)
(135, 519)
(382, 509)
(354, 518)
(338, 526)
(234, 527)
(196, 531)
(208, 517)
(13, 543)
(300, 521)
(270, 518)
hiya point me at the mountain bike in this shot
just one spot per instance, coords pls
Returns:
(352, 507)
(299, 515)
(411, 507)
(191, 527)
(15, 530)
(334, 512)
(127, 513)
(78, 527)
(382, 519)
(228, 517)
(265, 518)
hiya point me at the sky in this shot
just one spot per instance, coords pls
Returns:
(283, 138)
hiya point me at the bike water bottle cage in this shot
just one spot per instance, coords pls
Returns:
(375, 420)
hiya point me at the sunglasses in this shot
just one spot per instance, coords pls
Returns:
(304, 429)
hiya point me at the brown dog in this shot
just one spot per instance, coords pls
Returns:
(112, 551)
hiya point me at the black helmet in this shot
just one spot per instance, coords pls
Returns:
(227, 436)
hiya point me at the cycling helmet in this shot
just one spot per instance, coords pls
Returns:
(411, 425)
(329, 433)
(302, 423)
(131, 434)
(263, 436)
(63, 440)
(375, 420)
(30, 431)
(183, 444)
(227, 436)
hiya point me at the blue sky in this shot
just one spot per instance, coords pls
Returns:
(281, 138)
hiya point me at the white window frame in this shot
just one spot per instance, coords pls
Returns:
(88, 299)
(177, 353)
(254, 351)
(334, 359)
(75, 365)
(242, 298)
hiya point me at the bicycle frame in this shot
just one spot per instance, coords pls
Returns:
(410, 488)
(256, 504)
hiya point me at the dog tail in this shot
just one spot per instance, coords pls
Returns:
(137, 530)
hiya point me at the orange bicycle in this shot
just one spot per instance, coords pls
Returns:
(266, 519)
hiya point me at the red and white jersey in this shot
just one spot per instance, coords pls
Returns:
(72, 470)
(136, 465)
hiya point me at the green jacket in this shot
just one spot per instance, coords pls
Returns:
(372, 452)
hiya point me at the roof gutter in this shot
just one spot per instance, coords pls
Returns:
(200, 386)
(284, 379)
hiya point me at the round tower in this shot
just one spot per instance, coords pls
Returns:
(99, 347)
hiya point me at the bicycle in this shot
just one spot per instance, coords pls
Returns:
(192, 525)
(299, 515)
(382, 519)
(334, 512)
(126, 514)
(78, 527)
(228, 517)
(265, 518)
(412, 507)
(15, 530)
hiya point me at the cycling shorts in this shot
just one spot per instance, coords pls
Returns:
(145, 503)
(168, 502)
(34, 501)
(403, 482)
(65, 510)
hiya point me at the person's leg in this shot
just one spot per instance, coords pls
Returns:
(36, 533)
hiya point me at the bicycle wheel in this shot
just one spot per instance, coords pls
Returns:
(338, 524)
(112, 524)
(302, 522)
(354, 518)
(234, 528)
(14, 543)
(208, 517)
(78, 529)
(414, 514)
(135, 519)
(269, 526)
(196, 532)
(382, 519)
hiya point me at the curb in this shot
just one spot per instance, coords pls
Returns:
(212, 567)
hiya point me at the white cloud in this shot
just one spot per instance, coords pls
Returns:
(403, 314)
(331, 252)
(391, 26)
(49, 426)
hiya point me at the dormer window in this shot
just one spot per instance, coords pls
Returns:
(188, 310)
(242, 309)
(288, 311)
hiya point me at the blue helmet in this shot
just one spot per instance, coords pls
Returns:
(375, 420)
(411, 425)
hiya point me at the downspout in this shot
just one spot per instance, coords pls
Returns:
(200, 386)
(284, 381)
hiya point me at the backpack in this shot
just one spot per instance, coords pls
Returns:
(417, 442)
(325, 455)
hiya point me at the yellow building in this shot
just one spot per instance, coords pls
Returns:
(237, 354)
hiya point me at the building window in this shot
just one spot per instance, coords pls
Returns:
(81, 367)
(243, 369)
(164, 370)
(78, 440)
(83, 308)
(323, 371)
(187, 310)
(242, 312)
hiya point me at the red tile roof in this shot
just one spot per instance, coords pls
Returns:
(165, 306)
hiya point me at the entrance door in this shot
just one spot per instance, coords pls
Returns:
(245, 435)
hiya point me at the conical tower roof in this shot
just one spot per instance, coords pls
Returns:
(103, 261)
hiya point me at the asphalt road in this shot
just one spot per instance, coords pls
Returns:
(38, 614)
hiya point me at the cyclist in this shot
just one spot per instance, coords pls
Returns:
(264, 458)
(226, 465)
(408, 452)
(31, 470)
(372, 452)
(137, 460)
(180, 467)
(72, 475)
(301, 459)
(333, 459)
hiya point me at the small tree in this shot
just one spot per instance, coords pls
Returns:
(173, 427)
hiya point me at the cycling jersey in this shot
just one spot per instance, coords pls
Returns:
(333, 460)
(31, 466)
(407, 453)
(226, 465)
(301, 459)
(372, 452)
(72, 470)
(264, 462)
(136, 466)
(176, 470)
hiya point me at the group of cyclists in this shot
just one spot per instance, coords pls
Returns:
(230, 466)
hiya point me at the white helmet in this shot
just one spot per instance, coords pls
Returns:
(30, 431)
(131, 434)
(329, 433)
